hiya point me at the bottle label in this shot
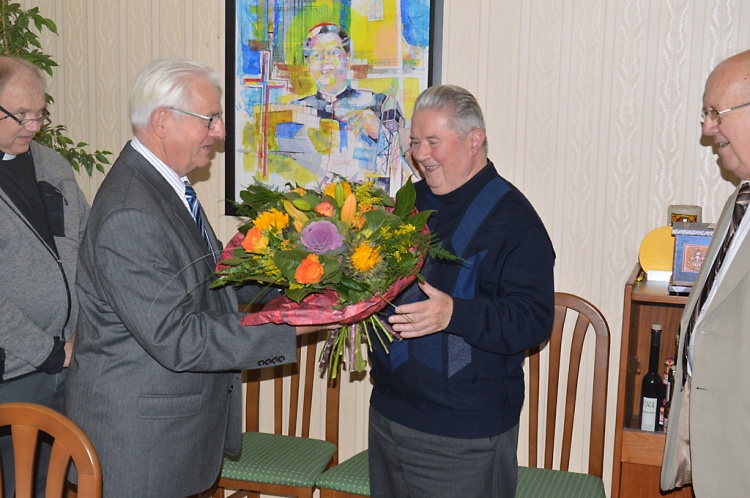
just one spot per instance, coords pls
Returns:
(648, 414)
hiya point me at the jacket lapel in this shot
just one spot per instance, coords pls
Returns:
(175, 208)
(740, 264)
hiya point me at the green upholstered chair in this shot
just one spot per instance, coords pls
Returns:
(575, 318)
(350, 478)
(538, 483)
(287, 461)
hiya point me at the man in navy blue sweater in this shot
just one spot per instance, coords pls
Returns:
(447, 399)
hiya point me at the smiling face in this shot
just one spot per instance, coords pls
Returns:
(446, 159)
(188, 143)
(726, 87)
(23, 97)
(328, 63)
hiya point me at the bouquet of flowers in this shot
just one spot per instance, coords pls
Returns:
(341, 253)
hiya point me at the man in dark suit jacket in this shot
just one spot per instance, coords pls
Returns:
(707, 441)
(155, 381)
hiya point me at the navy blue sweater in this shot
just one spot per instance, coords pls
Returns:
(467, 381)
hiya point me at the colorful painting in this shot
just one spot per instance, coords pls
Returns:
(322, 89)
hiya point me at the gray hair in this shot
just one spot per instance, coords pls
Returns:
(465, 110)
(10, 66)
(165, 83)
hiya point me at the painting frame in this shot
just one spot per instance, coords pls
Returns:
(231, 151)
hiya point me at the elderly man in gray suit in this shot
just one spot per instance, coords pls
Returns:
(155, 379)
(707, 442)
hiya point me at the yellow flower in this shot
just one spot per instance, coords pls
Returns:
(286, 244)
(364, 196)
(271, 219)
(330, 189)
(365, 257)
(358, 222)
(405, 229)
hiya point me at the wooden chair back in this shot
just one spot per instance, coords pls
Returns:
(26, 421)
(576, 316)
(293, 394)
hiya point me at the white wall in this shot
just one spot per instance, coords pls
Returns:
(591, 105)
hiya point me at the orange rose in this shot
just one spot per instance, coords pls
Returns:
(325, 208)
(309, 271)
(255, 241)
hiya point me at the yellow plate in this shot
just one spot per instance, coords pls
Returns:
(657, 250)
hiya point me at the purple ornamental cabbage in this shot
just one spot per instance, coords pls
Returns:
(321, 237)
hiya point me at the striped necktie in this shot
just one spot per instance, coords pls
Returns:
(195, 211)
(740, 206)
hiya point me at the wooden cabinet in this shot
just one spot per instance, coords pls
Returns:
(638, 454)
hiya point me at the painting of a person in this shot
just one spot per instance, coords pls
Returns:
(360, 124)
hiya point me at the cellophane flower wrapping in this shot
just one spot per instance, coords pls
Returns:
(341, 254)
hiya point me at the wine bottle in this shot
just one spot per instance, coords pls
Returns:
(651, 386)
(666, 397)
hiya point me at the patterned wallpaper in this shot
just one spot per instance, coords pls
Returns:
(591, 106)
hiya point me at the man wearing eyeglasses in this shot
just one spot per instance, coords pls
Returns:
(707, 439)
(155, 379)
(42, 217)
(357, 132)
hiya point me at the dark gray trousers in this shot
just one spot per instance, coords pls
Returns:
(405, 463)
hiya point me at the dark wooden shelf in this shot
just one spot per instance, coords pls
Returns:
(638, 454)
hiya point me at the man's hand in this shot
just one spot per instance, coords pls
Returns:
(423, 317)
(69, 351)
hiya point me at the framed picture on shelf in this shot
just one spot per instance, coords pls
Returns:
(320, 89)
(690, 248)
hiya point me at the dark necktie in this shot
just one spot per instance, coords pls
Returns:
(195, 210)
(740, 206)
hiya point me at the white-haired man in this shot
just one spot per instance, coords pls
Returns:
(155, 383)
(446, 401)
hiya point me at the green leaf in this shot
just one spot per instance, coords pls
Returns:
(298, 295)
(376, 218)
(288, 261)
(405, 198)
(420, 219)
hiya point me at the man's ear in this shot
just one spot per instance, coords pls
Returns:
(159, 121)
(477, 138)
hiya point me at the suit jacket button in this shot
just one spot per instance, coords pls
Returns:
(231, 388)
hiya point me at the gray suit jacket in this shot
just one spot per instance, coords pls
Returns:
(154, 381)
(719, 404)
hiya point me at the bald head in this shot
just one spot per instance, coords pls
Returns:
(727, 94)
(12, 67)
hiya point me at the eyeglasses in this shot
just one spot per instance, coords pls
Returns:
(715, 115)
(212, 120)
(42, 120)
(333, 53)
